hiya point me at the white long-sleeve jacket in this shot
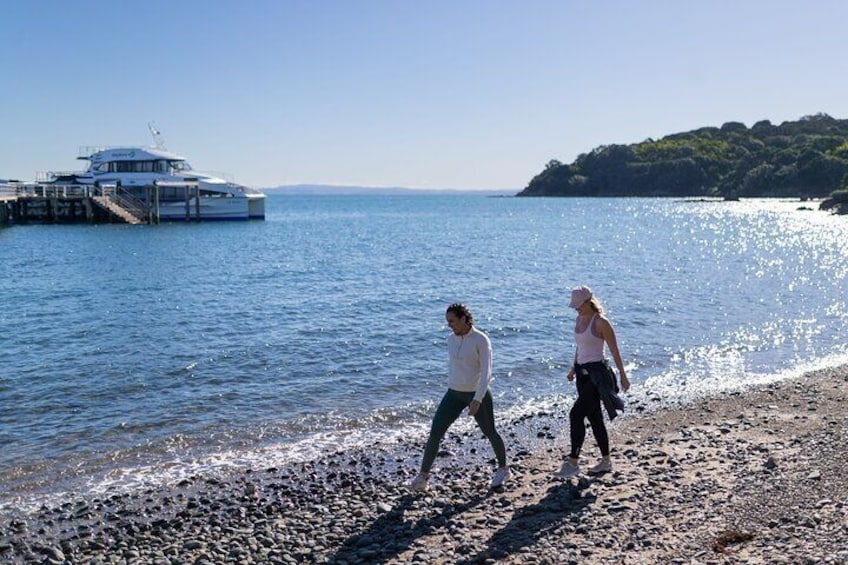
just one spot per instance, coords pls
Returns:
(470, 363)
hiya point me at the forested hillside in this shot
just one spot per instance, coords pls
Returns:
(804, 158)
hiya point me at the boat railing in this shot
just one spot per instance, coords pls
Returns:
(86, 151)
(9, 189)
(41, 190)
(51, 176)
(123, 198)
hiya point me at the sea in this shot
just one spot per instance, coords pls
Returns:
(133, 356)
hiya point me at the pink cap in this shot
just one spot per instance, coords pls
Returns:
(579, 295)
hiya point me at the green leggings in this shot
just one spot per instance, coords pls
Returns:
(451, 406)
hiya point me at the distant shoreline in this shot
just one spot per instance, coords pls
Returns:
(350, 190)
(330, 190)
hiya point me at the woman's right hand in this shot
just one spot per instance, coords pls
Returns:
(571, 374)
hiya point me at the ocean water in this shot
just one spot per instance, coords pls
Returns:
(134, 355)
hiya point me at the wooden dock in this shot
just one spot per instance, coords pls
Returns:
(22, 203)
(8, 199)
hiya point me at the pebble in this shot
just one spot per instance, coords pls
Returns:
(685, 482)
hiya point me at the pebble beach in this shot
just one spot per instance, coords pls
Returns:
(745, 477)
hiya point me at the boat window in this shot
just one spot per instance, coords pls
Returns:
(180, 165)
(132, 166)
(214, 194)
(177, 193)
(170, 193)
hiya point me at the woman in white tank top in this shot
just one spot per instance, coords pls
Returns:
(592, 331)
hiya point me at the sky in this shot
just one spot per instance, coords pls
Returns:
(438, 94)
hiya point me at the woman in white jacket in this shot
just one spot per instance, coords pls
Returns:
(469, 375)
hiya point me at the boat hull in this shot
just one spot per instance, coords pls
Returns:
(210, 209)
(256, 207)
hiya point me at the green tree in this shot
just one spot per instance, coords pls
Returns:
(807, 157)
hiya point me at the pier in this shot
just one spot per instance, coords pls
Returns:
(46, 203)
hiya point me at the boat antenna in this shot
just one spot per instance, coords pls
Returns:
(158, 142)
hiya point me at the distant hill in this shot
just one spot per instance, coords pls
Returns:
(319, 189)
(804, 158)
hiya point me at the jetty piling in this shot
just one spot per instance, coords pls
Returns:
(99, 203)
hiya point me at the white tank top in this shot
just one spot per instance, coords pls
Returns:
(589, 347)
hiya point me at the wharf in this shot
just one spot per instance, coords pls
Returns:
(44, 203)
(8, 199)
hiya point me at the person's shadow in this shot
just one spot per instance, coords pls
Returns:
(533, 523)
(390, 535)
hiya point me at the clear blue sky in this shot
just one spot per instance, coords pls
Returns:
(437, 94)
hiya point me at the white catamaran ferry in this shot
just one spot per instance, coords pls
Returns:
(166, 181)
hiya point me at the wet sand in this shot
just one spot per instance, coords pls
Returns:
(754, 477)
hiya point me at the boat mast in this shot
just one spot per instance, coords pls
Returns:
(158, 142)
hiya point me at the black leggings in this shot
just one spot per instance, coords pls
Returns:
(451, 406)
(587, 405)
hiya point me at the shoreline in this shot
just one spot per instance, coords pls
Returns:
(755, 476)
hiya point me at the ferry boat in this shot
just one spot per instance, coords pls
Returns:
(166, 181)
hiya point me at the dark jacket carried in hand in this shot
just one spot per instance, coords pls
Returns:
(603, 377)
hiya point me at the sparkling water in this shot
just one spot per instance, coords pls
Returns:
(139, 354)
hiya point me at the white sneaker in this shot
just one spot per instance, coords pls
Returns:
(601, 467)
(502, 475)
(568, 470)
(420, 483)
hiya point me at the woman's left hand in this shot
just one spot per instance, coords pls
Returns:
(625, 383)
(473, 407)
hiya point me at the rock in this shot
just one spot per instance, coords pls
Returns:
(54, 554)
